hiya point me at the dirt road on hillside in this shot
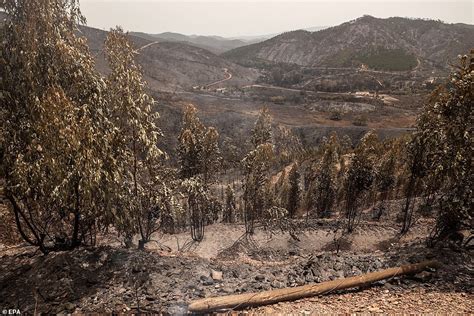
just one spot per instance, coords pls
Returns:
(228, 77)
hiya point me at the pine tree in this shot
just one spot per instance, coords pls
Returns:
(323, 175)
(324, 191)
(256, 168)
(384, 179)
(281, 189)
(211, 156)
(190, 149)
(288, 146)
(198, 203)
(415, 156)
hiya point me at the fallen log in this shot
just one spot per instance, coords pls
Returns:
(232, 302)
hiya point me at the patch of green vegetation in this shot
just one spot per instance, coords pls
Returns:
(388, 59)
(251, 62)
(342, 58)
(376, 58)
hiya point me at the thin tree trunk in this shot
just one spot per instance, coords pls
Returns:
(135, 187)
(17, 212)
(77, 217)
(408, 201)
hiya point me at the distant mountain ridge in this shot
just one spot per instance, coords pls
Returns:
(263, 37)
(215, 44)
(212, 43)
(401, 42)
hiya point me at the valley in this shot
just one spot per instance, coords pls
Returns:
(141, 173)
(312, 96)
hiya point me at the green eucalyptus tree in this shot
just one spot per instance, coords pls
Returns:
(325, 182)
(384, 179)
(294, 191)
(199, 160)
(359, 177)
(142, 192)
(55, 126)
(256, 167)
(446, 128)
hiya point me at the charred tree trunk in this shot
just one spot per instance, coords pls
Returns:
(408, 208)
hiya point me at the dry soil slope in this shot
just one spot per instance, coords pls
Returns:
(176, 64)
(433, 42)
(172, 65)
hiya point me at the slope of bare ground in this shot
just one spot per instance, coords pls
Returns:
(112, 279)
(318, 236)
(171, 66)
(315, 115)
(419, 299)
(235, 117)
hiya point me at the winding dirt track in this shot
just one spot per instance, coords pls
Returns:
(228, 74)
(147, 45)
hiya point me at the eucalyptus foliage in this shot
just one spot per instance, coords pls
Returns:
(324, 187)
(198, 149)
(360, 176)
(142, 194)
(256, 166)
(294, 193)
(199, 160)
(56, 131)
(446, 129)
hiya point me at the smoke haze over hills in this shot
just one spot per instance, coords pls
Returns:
(250, 18)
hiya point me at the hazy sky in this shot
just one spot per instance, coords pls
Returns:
(237, 18)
